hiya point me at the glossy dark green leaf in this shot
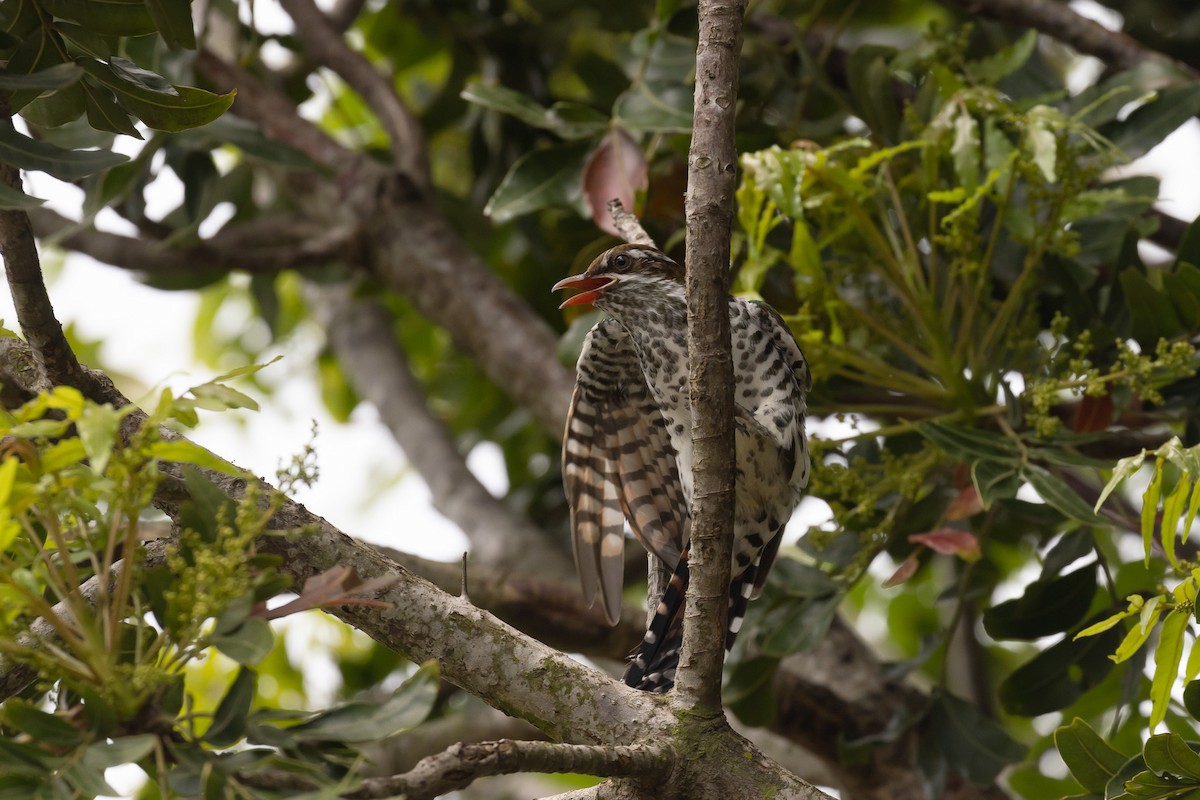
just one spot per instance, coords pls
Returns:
(749, 692)
(43, 727)
(1048, 606)
(57, 108)
(870, 79)
(109, 17)
(66, 165)
(658, 107)
(972, 744)
(229, 720)
(1182, 285)
(12, 198)
(970, 444)
(202, 511)
(56, 77)
(1091, 760)
(1073, 546)
(187, 108)
(1168, 752)
(249, 643)
(1007, 60)
(1055, 491)
(796, 624)
(548, 178)
(1156, 120)
(232, 131)
(174, 21)
(995, 480)
(1188, 251)
(87, 781)
(1056, 677)
(104, 114)
(407, 707)
(1153, 314)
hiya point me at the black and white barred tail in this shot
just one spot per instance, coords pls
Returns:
(652, 666)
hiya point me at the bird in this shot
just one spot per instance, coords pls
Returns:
(627, 447)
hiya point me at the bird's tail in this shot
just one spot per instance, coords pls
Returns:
(652, 667)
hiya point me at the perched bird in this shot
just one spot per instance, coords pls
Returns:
(627, 451)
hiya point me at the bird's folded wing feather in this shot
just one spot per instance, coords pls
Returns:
(618, 464)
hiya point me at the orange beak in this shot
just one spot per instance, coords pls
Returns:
(589, 287)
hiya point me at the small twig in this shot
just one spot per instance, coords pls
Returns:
(628, 225)
(463, 763)
(463, 591)
(326, 45)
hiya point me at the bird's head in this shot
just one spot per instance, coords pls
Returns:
(627, 273)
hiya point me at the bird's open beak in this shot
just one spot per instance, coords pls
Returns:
(589, 287)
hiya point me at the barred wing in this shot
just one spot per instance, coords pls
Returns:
(618, 465)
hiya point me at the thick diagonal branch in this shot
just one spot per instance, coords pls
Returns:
(712, 168)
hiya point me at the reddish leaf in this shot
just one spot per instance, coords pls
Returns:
(965, 504)
(1093, 413)
(336, 586)
(906, 570)
(949, 541)
(615, 170)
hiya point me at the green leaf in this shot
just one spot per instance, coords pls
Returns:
(184, 451)
(58, 76)
(1006, 61)
(1168, 752)
(229, 720)
(174, 21)
(568, 120)
(1150, 511)
(1156, 120)
(66, 165)
(1047, 607)
(1091, 760)
(869, 75)
(108, 17)
(408, 706)
(186, 108)
(970, 444)
(995, 481)
(1167, 655)
(655, 107)
(13, 198)
(1191, 696)
(1189, 246)
(88, 782)
(215, 396)
(1172, 511)
(97, 426)
(796, 624)
(1058, 494)
(750, 693)
(248, 644)
(1152, 312)
(104, 114)
(45, 728)
(1125, 467)
(971, 743)
(1057, 676)
(548, 178)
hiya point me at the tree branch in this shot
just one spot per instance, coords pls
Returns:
(263, 246)
(712, 168)
(461, 764)
(1061, 22)
(628, 225)
(326, 45)
(361, 332)
(415, 252)
(35, 314)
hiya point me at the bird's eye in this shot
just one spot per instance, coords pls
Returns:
(621, 261)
